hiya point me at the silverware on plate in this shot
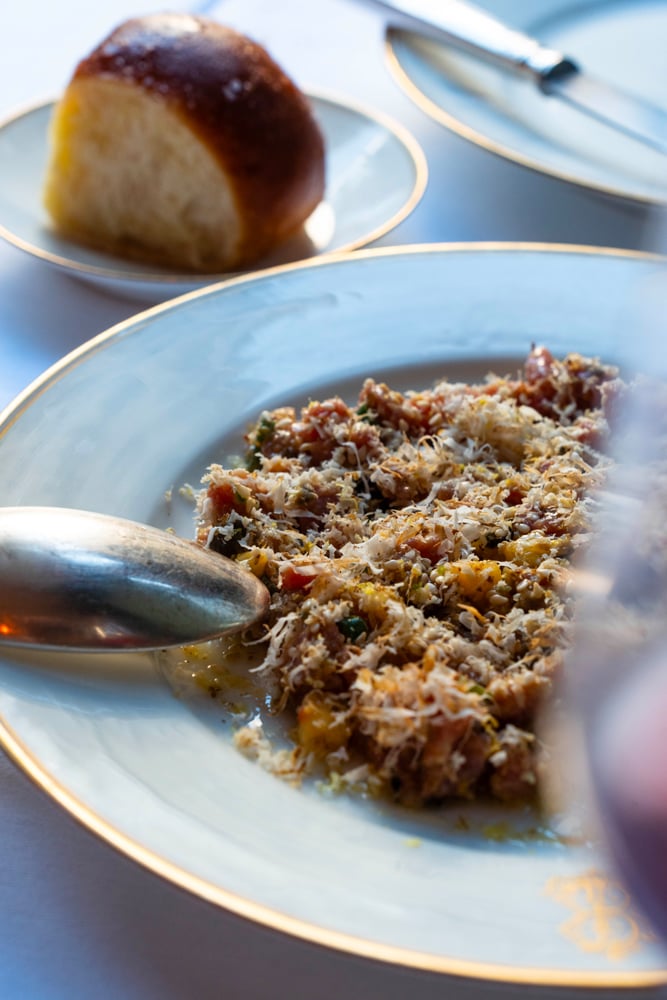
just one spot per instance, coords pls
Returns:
(75, 580)
(472, 30)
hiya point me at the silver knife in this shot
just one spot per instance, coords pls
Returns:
(472, 30)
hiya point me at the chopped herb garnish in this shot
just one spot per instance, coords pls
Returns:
(265, 429)
(365, 413)
(263, 433)
(268, 583)
(352, 627)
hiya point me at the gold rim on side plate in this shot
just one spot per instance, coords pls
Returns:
(455, 125)
(256, 912)
(167, 278)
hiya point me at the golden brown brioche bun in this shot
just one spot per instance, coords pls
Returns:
(181, 142)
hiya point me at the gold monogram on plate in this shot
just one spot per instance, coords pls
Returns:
(603, 920)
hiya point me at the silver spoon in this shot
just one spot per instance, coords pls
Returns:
(75, 580)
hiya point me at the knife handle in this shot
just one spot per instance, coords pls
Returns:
(472, 30)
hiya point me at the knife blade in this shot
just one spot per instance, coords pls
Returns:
(472, 30)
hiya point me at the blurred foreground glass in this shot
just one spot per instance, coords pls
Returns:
(610, 750)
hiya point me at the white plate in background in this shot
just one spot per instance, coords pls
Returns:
(621, 41)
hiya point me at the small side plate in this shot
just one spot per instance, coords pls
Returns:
(376, 175)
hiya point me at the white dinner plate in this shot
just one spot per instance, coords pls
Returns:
(123, 422)
(621, 41)
(375, 175)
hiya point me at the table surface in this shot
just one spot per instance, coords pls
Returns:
(80, 919)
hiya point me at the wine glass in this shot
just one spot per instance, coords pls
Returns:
(615, 685)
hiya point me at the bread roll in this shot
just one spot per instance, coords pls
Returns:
(180, 142)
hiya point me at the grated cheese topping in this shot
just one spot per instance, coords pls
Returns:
(417, 546)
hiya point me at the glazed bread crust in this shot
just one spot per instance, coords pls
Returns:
(227, 96)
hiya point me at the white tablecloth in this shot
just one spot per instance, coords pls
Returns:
(80, 920)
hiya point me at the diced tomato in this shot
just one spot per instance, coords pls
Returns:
(293, 578)
(304, 432)
(514, 497)
(428, 546)
(225, 500)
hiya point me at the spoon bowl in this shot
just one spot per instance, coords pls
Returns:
(77, 580)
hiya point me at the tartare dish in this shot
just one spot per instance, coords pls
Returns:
(418, 547)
